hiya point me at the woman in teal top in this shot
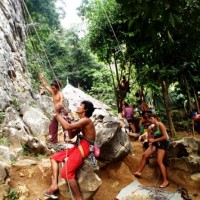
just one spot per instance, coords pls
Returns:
(157, 143)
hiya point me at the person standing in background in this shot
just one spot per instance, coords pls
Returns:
(128, 113)
(143, 106)
(58, 99)
(157, 144)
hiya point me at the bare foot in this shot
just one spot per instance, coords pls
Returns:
(52, 188)
(137, 174)
(164, 184)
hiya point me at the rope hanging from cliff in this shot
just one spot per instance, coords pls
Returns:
(110, 24)
(40, 41)
(116, 38)
(44, 51)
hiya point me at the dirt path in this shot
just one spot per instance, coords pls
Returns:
(114, 177)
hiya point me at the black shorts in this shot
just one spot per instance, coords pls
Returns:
(145, 145)
(161, 145)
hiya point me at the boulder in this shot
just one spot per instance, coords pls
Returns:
(87, 179)
(184, 162)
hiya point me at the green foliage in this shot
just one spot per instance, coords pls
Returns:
(102, 87)
(11, 194)
(163, 37)
(41, 156)
(44, 12)
(2, 115)
(107, 39)
(44, 19)
(70, 59)
(25, 150)
(102, 39)
(16, 103)
(4, 141)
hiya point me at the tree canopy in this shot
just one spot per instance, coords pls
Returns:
(152, 45)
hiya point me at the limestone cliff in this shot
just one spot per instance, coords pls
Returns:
(14, 76)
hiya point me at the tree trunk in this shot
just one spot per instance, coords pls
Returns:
(196, 100)
(120, 95)
(165, 87)
(189, 96)
(115, 89)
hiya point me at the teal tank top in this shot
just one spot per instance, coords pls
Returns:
(158, 133)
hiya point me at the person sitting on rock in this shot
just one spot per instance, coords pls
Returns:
(143, 125)
(76, 154)
(160, 144)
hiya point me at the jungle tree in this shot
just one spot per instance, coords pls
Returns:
(107, 25)
(163, 40)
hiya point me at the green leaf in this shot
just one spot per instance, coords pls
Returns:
(170, 37)
(171, 19)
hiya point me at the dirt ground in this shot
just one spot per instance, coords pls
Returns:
(114, 177)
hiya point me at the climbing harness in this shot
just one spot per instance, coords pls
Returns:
(94, 149)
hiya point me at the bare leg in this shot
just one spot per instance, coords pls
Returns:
(54, 183)
(74, 186)
(143, 161)
(160, 157)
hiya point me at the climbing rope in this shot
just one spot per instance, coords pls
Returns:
(41, 44)
(116, 38)
(109, 21)
(44, 51)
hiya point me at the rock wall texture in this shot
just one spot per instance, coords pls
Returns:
(13, 71)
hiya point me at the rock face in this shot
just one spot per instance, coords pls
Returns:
(184, 162)
(13, 70)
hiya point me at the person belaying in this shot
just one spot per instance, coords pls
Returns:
(76, 154)
(58, 99)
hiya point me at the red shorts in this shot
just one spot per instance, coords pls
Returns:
(74, 159)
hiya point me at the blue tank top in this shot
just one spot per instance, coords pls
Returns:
(158, 133)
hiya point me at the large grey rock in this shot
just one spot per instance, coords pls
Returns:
(75, 96)
(114, 143)
(87, 179)
(37, 122)
(46, 104)
(184, 161)
(7, 155)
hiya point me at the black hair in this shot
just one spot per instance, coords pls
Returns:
(144, 112)
(147, 111)
(57, 84)
(126, 104)
(89, 107)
